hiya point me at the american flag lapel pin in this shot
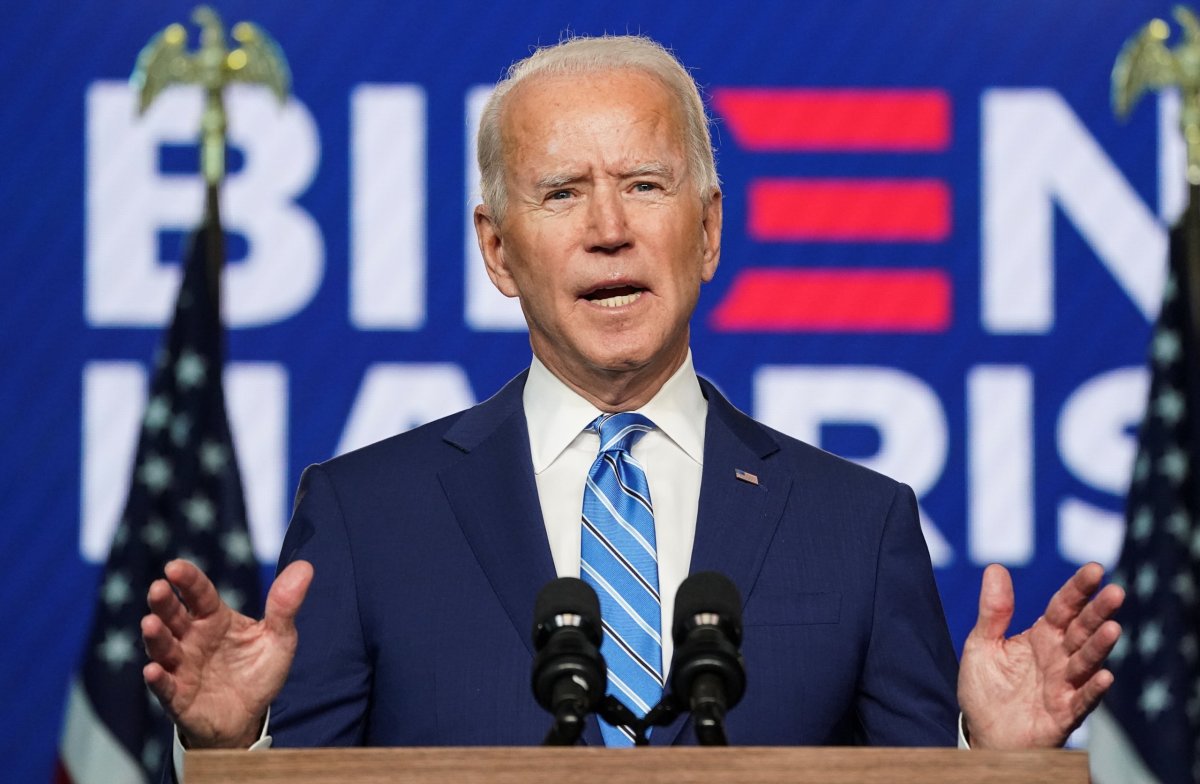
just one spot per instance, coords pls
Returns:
(745, 476)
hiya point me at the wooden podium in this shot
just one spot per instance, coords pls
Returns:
(537, 765)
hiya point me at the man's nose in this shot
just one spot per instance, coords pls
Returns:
(608, 229)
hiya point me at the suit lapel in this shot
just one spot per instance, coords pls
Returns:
(737, 518)
(494, 498)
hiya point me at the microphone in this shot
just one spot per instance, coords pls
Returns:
(707, 670)
(569, 674)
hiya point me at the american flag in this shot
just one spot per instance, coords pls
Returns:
(185, 501)
(1148, 728)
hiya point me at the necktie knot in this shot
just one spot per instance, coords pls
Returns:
(619, 432)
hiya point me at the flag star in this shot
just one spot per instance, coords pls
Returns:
(155, 473)
(232, 597)
(155, 534)
(158, 411)
(1195, 548)
(1185, 587)
(1171, 287)
(1143, 524)
(1150, 640)
(181, 428)
(1169, 406)
(237, 547)
(116, 590)
(1156, 698)
(1178, 525)
(1141, 468)
(117, 648)
(213, 457)
(200, 513)
(1166, 347)
(190, 370)
(122, 535)
(1174, 464)
(1146, 581)
(1188, 649)
(152, 754)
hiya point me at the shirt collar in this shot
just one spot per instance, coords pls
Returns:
(556, 414)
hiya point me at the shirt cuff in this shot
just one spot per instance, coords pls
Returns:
(178, 751)
(962, 735)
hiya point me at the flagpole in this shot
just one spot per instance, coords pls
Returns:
(1191, 270)
(165, 61)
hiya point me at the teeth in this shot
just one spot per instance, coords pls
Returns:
(618, 301)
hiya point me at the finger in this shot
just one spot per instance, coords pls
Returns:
(1088, 696)
(161, 645)
(286, 595)
(166, 605)
(995, 603)
(1100, 609)
(195, 589)
(162, 684)
(1088, 660)
(1068, 601)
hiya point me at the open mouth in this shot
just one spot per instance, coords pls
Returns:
(615, 296)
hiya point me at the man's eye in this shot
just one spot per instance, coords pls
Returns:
(645, 187)
(559, 195)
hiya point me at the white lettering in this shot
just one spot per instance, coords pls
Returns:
(1097, 445)
(397, 397)
(1000, 517)
(387, 207)
(129, 201)
(1036, 154)
(901, 407)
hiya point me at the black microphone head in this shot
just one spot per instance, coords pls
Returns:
(567, 601)
(707, 594)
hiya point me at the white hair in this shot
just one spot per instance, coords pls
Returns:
(582, 55)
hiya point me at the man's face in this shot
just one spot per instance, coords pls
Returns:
(605, 239)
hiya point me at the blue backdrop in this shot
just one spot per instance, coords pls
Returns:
(941, 257)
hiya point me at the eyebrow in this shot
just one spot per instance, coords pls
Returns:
(552, 181)
(652, 169)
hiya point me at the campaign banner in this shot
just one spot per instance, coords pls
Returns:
(942, 255)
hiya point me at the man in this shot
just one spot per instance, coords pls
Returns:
(602, 214)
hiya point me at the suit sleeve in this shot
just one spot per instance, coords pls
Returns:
(907, 688)
(325, 699)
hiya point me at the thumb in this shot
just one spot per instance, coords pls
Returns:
(286, 595)
(995, 604)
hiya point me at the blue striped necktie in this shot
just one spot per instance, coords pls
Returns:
(619, 559)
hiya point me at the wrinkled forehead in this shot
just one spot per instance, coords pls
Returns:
(608, 101)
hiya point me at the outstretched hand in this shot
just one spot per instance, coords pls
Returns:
(214, 670)
(1034, 689)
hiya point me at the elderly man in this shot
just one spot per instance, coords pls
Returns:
(421, 555)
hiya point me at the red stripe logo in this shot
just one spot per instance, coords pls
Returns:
(862, 210)
(849, 210)
(838, 300)
(806, 120)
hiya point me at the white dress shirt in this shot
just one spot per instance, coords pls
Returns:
(673, 455)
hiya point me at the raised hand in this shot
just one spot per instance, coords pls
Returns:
(1032, 690)
(214, 670)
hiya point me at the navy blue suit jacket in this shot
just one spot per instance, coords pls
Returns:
(429, 550)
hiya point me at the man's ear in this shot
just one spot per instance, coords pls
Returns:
(491, 246)
(711, 226)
